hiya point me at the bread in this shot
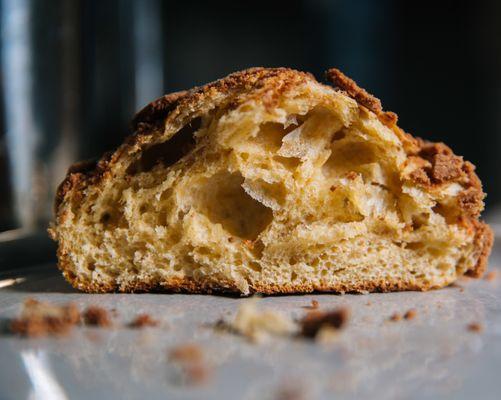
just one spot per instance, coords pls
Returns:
(269, 181)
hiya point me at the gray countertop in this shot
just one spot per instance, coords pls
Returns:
(432, 356)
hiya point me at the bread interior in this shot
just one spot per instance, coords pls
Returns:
(307, 194)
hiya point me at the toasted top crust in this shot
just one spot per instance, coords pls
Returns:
(353, 90)
(437, 164)
(152, 118)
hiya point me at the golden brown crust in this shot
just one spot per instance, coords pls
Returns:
(437, 163)
(156, 110)
(438, 166)
(190, 285)
(445, 166)
(484, 240)
(356, 92)
(151, 119)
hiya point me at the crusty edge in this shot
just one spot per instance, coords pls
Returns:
(484, 240)
(440, 166)
(151, 120)
(190, 285)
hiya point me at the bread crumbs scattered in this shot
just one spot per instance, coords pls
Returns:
(43, 319)
(475, 327)
(258, 325)
(97, 316)
(314, 322)
(369, 303)
(186, 353)
(410, 314)
(191, 361)
(491, 275)
(395, 317)
(142, 321)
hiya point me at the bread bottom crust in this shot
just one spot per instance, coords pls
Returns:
(189, 285)
(484, 239)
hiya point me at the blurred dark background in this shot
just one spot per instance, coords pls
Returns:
(74, 72)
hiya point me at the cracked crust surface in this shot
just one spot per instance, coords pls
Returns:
(269, 82)
(434, 164)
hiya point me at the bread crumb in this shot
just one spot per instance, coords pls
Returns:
(190, 358)
(96, 316)
(186, 353)
(42, 319)
(491, 275)
(257, 325)
(410, 314)
(475, 327)
(314, 304)
(395, 317)
(196, 374)
(142, 321)
(315, 321)
(222, 326)
(290, 392)
(369, 303)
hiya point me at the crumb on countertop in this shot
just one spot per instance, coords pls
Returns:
(97, 316)
(314, 304)
(290, 392)
(410, 314)
(316, 321)
(196, 374)
(189, 352)
(491, 275)
(395, 317)
(256, 324)
(191, 360)
(142, 321)
(475, 327)
(41, 319)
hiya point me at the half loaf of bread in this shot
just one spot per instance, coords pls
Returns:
(268, 181)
